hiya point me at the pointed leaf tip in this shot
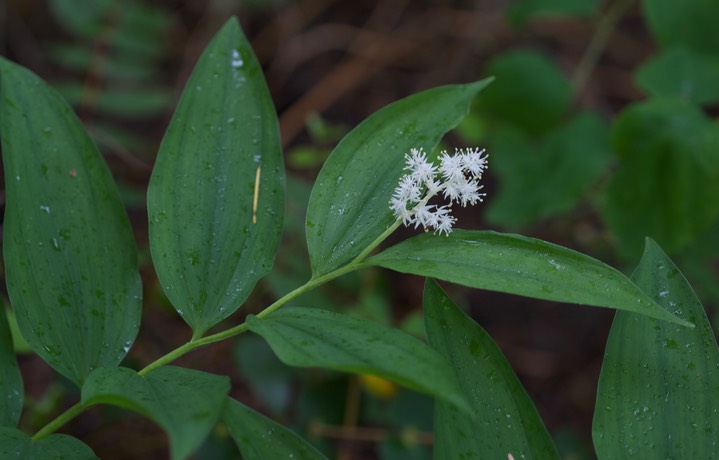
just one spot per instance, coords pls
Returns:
(69, 252)
(349, 204)
(310, 337)
(216, 196)
(495, 261)
(659, 385)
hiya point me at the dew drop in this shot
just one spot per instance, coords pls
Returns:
(237, 61)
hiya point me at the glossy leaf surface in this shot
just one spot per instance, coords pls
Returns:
(349, 205)
(260, 438)
(503, 412)
(69, 252)
(186, 403)
(309, 337)
(518, 265)
(658, 391)
(16, 445)
(216, 196)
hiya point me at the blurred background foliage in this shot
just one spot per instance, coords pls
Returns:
(601, 130)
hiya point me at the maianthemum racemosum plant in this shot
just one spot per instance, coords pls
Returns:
(215, 204)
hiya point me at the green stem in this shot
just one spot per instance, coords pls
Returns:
(239, 329)
(193, 344)
(363, 255)
(61, 420)
(601, 37)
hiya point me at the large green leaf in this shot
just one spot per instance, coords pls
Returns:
(503, 412)
(658, 391)
(537, 181)
(519, 265)
(70, 255)
(10, 378)
(186, 403)
(531, 92)
(349, 205)
(681, 73)
(308, 337)
(210, 243)
(259, 438)
(16, 445)
(687, 22)
(667, 181)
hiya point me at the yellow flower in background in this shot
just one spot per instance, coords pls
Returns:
(377, 386)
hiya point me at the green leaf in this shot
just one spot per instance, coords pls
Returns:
(520, 11)
(503, 412)
(307, 337)
(681, 73)
(531, 92)
(209, 243)
(519, 265)
(659, 388)
(536, 182)
(10, 379)
(349, 207)
(186, 403)
(69, 251)
(667, 180)
(259, 438)
(16, 445)
(689, 22)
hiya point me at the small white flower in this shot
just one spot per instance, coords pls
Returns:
(399, 207)
(424, 216)
(421, 169)
(474, 161)
(408, 190)
(444, 220)
(469, 192)
(451, 167)
(457, 177)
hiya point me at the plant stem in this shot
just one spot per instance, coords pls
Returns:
(239, 329)
(363, 255)
(599, 41)
(59, 421)
(355, 264)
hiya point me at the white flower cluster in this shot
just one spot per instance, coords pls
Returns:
(457, 177)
